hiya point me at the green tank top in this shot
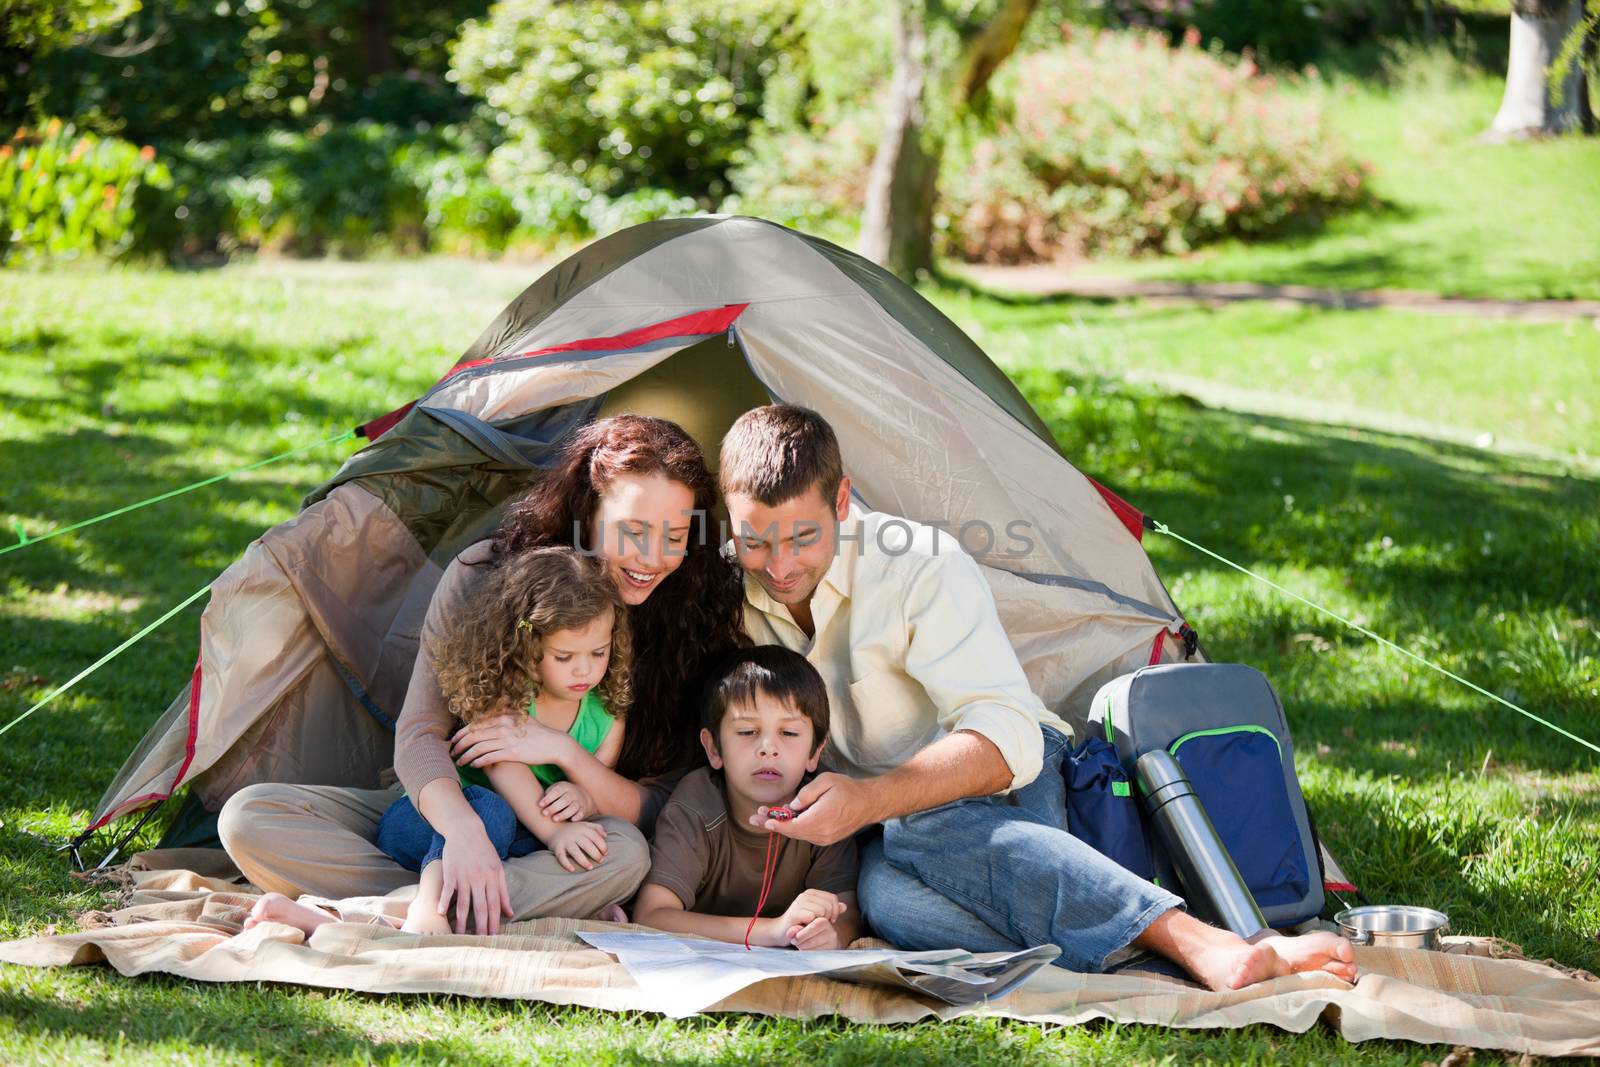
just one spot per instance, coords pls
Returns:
(589, 728)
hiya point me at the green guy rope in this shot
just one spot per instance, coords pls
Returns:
(1161, 527)
(23, 540)
(108, 657)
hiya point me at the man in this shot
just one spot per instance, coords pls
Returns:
(937, 735)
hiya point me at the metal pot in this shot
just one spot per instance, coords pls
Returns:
(1394, 926)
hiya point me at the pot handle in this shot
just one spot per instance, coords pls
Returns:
(1360, 937)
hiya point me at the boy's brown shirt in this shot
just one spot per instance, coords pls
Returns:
(714, 866)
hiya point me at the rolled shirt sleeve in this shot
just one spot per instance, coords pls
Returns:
(960, 654)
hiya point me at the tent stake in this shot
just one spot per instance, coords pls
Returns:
(75, 846)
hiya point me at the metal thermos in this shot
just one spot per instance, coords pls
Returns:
(1215, 889)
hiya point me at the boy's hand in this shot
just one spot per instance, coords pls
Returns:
(567, 802)
(807, 908)
(816, 936)
(578, 844)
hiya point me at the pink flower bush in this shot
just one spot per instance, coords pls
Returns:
(1118, 142)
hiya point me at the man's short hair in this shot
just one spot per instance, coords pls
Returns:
(776, 453)
(771, 669)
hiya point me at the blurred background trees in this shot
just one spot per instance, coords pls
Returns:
(993, 130)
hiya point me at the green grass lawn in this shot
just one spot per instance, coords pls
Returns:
(1459, 217)
(115, 385)
(1528, 387)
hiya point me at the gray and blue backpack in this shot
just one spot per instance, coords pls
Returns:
(1226, 728)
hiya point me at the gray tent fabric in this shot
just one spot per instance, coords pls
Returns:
(308, 642)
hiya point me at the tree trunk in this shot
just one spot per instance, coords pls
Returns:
(897, 219)
(377, 52)
(1538, 28)
(903, 184)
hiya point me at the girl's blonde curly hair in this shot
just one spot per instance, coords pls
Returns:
(487, 659)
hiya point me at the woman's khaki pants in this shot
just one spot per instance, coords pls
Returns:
(317, 841)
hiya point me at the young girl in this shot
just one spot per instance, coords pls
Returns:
(549, 635)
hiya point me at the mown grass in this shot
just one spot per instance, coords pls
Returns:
(1456, 216)
(1523, 386)
(115, 385)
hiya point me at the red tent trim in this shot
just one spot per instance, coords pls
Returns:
(188, 758)
(694, 324)
(1131, 516)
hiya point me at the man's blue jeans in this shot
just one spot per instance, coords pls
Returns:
(1002, 873)
(405, 836)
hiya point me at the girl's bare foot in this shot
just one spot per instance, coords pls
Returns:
(612, 914)
(277, 908)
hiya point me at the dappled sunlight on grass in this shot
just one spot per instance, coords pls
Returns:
(1429, 793)
(1403, 371)
(1461, 217)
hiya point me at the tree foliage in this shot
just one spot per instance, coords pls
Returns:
(177, 70)
(628, 95)
(34, 26)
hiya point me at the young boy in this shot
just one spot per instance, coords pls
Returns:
(765, 720)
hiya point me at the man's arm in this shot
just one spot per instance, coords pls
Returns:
(833, 807)
(959, 653)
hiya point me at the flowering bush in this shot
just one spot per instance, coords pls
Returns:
(1119, 142)
(63, 193)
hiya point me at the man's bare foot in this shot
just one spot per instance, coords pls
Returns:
(277, 908)
(1234, 967)
(612, 914)
(1220, 959)
(425, 921)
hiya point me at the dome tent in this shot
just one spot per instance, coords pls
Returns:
(307, 645)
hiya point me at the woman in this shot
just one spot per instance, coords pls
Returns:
(634, 491)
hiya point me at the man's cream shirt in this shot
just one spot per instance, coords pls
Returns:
(911, 648)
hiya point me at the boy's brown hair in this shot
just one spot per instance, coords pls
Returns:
(487, 659)
(776, 453)
(770, 669)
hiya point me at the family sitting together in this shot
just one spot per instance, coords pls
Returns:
(601, 671)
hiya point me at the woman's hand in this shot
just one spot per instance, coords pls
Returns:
(514, 738)
(475, 879)
(567, 802)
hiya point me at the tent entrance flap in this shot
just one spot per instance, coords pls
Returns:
(696, 321)
(703, 388)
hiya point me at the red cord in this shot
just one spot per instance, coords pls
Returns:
(768, 869)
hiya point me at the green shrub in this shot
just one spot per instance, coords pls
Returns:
(335, 189)
(66, 194)
(1294, 32)
(1118, 142)
(811, 179)
(627, 95)
(465, 211)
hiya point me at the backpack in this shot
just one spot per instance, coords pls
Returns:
(1225, 726)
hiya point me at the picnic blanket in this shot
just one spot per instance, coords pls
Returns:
(1478, 993)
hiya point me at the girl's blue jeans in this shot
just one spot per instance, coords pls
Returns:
(405, 836)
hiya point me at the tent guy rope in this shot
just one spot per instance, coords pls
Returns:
(1163, 528)
(23, 540)
(109, 656)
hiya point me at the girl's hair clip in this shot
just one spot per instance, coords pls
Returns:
(525, 624)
